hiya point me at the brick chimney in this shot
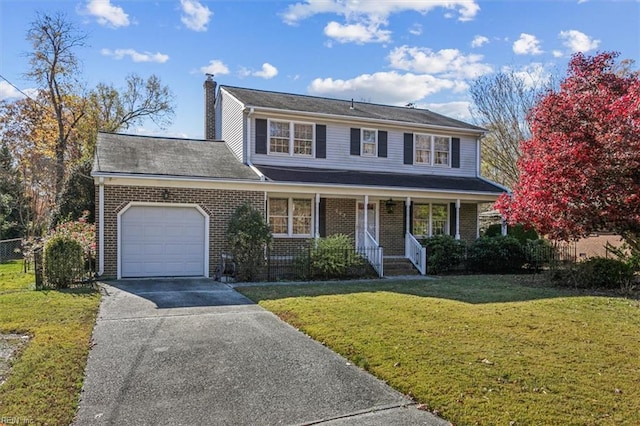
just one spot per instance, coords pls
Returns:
(209, 108)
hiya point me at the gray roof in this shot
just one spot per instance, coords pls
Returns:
(314, 104)
(385, 179)
(146, 155)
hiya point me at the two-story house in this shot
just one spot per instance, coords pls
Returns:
(315, 166)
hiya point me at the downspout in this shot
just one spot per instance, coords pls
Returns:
(248, 146)
(101, 226)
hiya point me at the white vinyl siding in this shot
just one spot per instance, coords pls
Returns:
(338, 154)
(232, 124)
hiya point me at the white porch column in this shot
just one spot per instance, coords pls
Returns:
(408, 215)
(317, 216)
(457, 219)
(503, 228)
(365, 221)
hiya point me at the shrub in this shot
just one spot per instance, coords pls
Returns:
(496, 255)
(599, 272)
(248, 235)
(63, 261)
(332, 257)
(517, 231)
(444, 253)
(84, 233)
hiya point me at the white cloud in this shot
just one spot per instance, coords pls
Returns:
(107, 14)
(135, 56)
(576, 41)
(7, 91)
(416, 29)
(195, 16)
(446, 62)
(479, 41)
(356, 33)
(370, 15)
(215, 67)
(557, 54)
(533, 75)
(527, 44)
(268, 71)
(458, 109)
(385, 87)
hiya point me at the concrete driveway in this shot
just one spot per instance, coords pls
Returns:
(196, 352)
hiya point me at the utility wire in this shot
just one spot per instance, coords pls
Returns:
(19, 90)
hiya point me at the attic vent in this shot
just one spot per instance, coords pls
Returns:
(411, 105)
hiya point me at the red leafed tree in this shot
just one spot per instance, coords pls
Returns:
(580, 171)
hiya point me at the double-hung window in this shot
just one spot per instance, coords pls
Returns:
(430, 219)
(432, 150)
(287, 137)
(290, 216)
(369, 140)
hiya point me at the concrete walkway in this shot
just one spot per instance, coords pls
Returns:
(196, 352)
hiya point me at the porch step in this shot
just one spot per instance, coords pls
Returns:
(394, 267)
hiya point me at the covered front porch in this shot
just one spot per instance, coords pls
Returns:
(390, 227)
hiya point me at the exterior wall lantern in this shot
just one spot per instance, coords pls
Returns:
(389, 204)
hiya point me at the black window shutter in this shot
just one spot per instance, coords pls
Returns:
(452, 219)
(261, 136)
(321, 141)
(382, 143)
(408, 148)
(455, 153)
(322, 220)
(355, 141)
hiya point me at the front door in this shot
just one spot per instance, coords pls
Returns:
(372, 222)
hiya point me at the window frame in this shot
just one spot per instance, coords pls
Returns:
(429, 224)
(432, 150)
(362, 142)
(290, 216)
(291, 145)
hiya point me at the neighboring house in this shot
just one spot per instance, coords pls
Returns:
(315, 166)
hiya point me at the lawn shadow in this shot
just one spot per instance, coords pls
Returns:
(472, 289)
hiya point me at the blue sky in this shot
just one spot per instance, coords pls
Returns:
(384, 51)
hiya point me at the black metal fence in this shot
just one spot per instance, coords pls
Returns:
(312, 263)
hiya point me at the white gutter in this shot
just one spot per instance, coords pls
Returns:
(101, 226)
(247, 145)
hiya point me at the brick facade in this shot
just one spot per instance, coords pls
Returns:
(468, 222)
(391, 230)
(219, 204)
(341, 216)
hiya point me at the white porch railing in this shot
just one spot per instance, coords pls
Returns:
(416, 253)
(373, 252)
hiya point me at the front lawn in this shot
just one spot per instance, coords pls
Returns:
(482, 350)
(45, 381)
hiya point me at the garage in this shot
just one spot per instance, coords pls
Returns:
(163, 241)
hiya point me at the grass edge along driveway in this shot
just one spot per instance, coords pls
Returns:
(480, 350)
(43, 386)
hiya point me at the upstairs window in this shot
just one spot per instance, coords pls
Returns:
(369, 140)
(432, 150)
(291, 138)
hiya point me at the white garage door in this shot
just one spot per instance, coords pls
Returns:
(162, 242)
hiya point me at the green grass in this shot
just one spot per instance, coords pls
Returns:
(46, 378)
(481, 350)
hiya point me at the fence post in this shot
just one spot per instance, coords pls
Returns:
(38, 268)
